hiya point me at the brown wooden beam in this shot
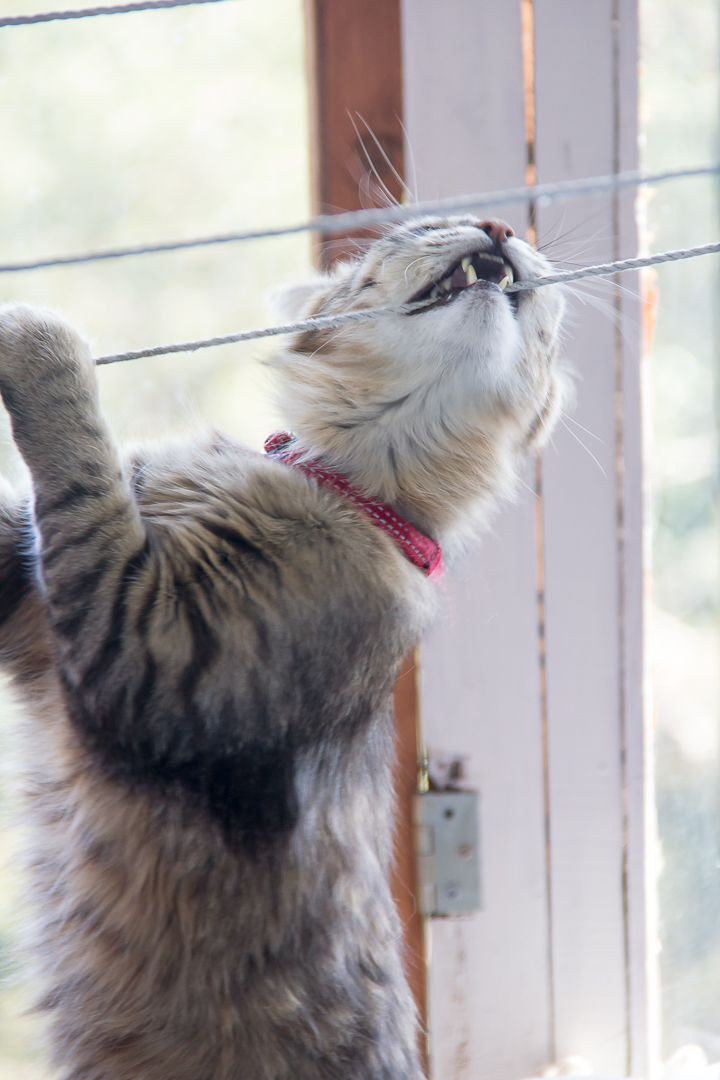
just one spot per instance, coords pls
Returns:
(355, 80)
(403, 876)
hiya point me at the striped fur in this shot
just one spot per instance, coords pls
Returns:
(207, 642)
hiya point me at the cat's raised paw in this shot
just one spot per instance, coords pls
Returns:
(33, 340)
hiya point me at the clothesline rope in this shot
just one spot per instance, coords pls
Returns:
(85, 13)
(332, 322)
(333, 224)
(604, 269)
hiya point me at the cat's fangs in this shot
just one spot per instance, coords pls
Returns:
(479, 266)
(205, 640)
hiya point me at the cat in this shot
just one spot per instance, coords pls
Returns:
(205, 639)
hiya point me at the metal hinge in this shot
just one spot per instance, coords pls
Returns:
(447, 854)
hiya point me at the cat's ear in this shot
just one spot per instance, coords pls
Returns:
(296, 301)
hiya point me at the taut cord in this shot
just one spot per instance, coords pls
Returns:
(332, 322)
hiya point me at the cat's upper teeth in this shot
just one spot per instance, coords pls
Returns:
(469, 270)
(508, 278)
(465, 274)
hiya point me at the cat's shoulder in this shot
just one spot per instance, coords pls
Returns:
(210, 482)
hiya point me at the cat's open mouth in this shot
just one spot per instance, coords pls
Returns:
(477, 267)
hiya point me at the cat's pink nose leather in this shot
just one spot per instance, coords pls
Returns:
(496, 230)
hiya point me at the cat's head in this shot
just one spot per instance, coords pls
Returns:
(430, 411)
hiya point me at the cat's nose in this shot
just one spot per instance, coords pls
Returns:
(496, 230)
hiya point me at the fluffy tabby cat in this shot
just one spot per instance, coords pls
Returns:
(206, 642)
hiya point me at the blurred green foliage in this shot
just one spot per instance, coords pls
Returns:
(681, 94)
(144, 127)
(154, 126)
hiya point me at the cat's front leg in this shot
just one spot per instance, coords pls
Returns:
(87, 526)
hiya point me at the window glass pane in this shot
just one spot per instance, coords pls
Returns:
(680, 92)
(150, 126)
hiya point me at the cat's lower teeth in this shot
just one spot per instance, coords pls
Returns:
(505, 282)
(470, 273)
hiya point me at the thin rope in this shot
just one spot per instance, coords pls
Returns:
(602, 269)
(85, 13)
(332, 322)
(319, 322)
(356, 219)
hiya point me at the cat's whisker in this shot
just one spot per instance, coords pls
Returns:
(585, 448)
(549, 440)
(392, 201)
(579, 226)
(540, 237)
(620, 319)
(373, 193)
(524, 483)
(386, 159)
(329, 341)
(420, 259)
(408, 146)
(592, 434)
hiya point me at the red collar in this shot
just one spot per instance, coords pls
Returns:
(419, 548)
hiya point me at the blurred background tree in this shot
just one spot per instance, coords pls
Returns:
(681, 93)
(151, 126)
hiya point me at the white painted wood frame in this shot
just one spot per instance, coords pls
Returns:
(558, 962)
